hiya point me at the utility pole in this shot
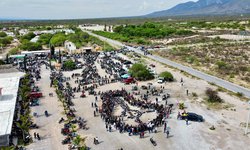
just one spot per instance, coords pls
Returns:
(246, 130)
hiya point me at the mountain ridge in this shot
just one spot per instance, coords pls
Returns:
(206, 7)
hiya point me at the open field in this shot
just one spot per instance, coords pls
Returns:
(227, 60)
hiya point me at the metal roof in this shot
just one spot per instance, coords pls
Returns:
(9, 82)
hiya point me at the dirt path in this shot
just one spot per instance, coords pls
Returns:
(50, 129)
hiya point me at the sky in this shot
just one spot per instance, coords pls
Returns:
(81, 9)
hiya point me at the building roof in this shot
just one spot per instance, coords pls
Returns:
(9, 82)
(86, 48)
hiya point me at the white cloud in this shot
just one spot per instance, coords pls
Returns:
(70, 9)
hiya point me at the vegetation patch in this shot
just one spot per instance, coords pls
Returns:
(140, 72)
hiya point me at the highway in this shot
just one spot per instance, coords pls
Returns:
(209, 78)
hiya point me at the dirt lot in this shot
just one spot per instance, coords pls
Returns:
(228, 133)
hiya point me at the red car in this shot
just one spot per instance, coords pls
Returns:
(35, 95)
(129, 80)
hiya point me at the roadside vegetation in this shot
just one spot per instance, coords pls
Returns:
(140, 34)
(167, 76)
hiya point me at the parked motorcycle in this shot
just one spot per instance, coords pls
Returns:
(153, 141)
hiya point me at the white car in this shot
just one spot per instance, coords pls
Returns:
(160, 80)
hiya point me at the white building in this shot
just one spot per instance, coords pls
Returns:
(70, 47)
(23, 31)
(10, 34)
(35, 39)
(9, 84)
(53, 31)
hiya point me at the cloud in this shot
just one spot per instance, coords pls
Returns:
(71, 9)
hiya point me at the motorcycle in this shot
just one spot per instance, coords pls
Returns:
(66, 141)
(34, 126)
(153, 141)
(61, 120)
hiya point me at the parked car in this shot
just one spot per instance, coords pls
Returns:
(192, 117)
(129, 80)
(35, 95)
(160, 80)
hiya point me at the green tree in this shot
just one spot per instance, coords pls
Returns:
(167, 76)
(30, 46)
(44, 39)
(5, 41)
(3, 34)
(58, 39)
(28, 36)
(69, 65)
(140, 72)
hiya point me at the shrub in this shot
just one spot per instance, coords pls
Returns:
(69, 65)
(28, 36)
(5, 41)
(194, 94)
(239, 94)
(181, 106)
(30, 46)
(167, 76)
(213, 96)
(3, 34)
(140, 72)
(221, 65)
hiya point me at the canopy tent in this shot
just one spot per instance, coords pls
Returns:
(125, 76)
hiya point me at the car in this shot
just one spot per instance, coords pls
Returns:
(160, 80)
(127, 62)
(35, 95)
(192, 117)
(129, 80)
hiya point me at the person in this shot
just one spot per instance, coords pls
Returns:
(94, 114)
(107, 127)
(186, 121)
(46, 113)
(38, 136)
(110, 128)
(179, 116)
(165, 127)
(96, 141)
(167, 133)
(155, 129)
(35, 136)
(187, 92)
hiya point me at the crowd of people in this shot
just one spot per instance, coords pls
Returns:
(120, 97)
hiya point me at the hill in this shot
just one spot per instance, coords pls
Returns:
(206, 7)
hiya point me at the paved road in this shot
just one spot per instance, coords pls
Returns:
(220, 82)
